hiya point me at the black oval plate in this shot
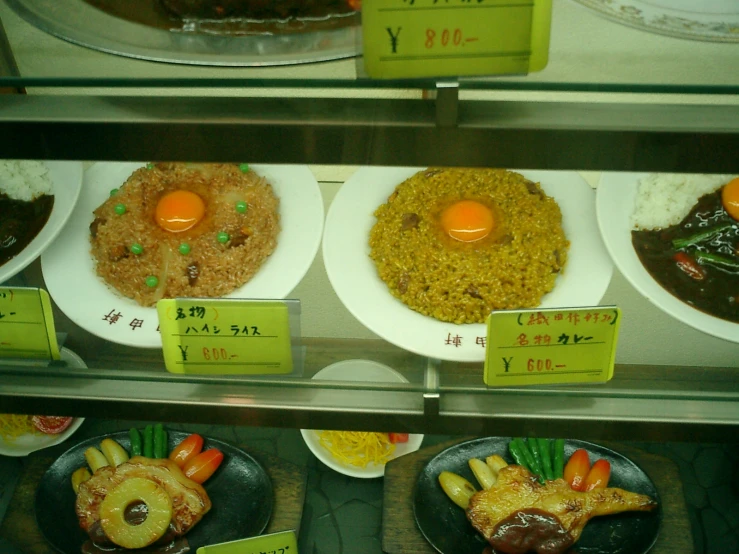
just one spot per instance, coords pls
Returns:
(240, 490)
(446, 528)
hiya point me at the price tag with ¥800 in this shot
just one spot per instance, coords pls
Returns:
(215, 336)
(437, 38)
(274, 543)
(27, 324)
(551, 346)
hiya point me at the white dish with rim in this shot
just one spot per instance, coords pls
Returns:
(66, 182)
(25, 444)
(616, 195)
(68, 268)
(366, 371)
(354, 277)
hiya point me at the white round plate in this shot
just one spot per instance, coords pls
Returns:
(68, 267)
(25, 444)
(367, 371)
(614, 206)
(66, 182)
(710, 20)
(354, 277)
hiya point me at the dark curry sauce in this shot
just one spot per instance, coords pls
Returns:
(154, 13)
(20, 222)
(705, 273)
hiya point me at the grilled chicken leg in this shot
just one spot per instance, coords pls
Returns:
(518, 505)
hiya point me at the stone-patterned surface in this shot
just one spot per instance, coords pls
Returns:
(343, 515)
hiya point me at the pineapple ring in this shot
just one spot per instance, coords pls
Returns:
(113, 507)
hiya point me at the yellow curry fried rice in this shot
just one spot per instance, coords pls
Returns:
(455, 244)
(179, 230)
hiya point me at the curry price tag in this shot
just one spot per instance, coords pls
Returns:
(551, 346)
(274, 543)
(442, 38)
(27, 324)
(234, 337)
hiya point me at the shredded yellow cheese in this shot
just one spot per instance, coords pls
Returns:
(13, 426)
(357, 448)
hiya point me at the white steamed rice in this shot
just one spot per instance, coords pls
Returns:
(664, 199)
(24, 179)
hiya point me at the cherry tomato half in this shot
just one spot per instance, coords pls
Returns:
(577, 469)
(51, 425)
(202, 466)
(598, 475)
(186, 450)
(397, 437)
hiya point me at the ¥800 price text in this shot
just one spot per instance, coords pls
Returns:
(446, 37)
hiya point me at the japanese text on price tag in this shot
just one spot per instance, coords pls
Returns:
(436, 38)
(27, 324)
(274, 543)
(550, 346)
(225, 336)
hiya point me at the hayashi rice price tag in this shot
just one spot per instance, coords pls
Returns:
(437, 38)
(551, 346)
(235, 337)
(275, 543)
(27, 324)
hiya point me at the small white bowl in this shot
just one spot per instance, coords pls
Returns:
(25, 444)
(367, 371)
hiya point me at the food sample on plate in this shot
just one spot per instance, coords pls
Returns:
(26, 202)
(148, 500)
(686, 234)
(184, 230)
(13, 426)
(360, 448)
(455, 244)
(539, 504)
(234, 16)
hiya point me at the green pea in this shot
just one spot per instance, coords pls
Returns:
(184, 249)
(152, 281)
(113, 192)
(223, 238)
(137, 249)
(120, 209)
(244, 168)
(150, 166)
(241, 207)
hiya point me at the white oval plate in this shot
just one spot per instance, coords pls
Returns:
(354, 277)
(710, 20)
(66, 182)
(367, 371)
(25, 444)
(614, 205)
(68, 267)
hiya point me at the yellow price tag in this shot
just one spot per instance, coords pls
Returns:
(437, 38)
(551, 346)
(235, 337)
(275, 543)
(27, 324)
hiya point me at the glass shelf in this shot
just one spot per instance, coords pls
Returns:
(588, 53)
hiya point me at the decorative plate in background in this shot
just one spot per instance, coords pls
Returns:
(366, 371)
(83, 24)
(87, 300)
(354, 277)
(445, 525)
(66, 182)
(615, 199)
(240, 490)
(708, 20)
(25, 444)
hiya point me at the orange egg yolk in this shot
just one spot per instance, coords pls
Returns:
(730, 198)
(467, 220)
(179, 211)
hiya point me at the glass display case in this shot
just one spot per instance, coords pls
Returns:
(628, 92)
